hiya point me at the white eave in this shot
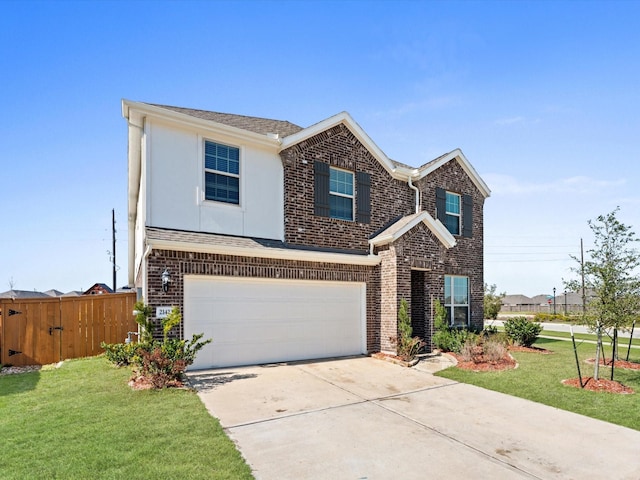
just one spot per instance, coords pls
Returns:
(397, 171)
(178, 118)
(273, 253)
(402, 226)
(358, 132)
(464, 163)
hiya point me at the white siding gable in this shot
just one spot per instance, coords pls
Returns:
(174, 167)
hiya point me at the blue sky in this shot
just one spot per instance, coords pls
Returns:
(542, 97)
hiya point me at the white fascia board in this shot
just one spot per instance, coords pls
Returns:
(360, 134)
(274, 253)
(466, 166)
(201, 124)
(436, 227)
(135, 124)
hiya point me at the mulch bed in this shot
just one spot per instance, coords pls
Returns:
(481, 364)
(617, 364)
(517, 348)
(394, 359)
(140, 382)
(600, 385)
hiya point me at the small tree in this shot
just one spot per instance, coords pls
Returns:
(408, 345)
(492, 301)
(610, 276)
(174, 318)
(143, 318)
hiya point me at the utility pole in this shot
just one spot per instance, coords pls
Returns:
(584, 297)
(113, 234)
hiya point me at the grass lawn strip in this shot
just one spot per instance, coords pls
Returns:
(538, 378)
(622, 341)
(82, 421)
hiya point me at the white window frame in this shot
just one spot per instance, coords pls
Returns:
(454, 214)
(344, 195)
(452, 305)
(206, 170)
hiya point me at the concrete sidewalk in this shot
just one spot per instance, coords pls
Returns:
(362, 418)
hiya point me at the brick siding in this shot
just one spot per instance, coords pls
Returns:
(338, 147)
(192, 263)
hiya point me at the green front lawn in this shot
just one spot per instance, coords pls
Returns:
(82, 421)
(623, 342)
(538, 378)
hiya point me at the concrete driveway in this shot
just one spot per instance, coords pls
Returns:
(362, 418)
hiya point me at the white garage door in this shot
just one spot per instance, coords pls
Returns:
(253, 321)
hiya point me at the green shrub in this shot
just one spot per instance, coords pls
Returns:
(122, 354)
(521, 331)
(453, 339)
(160, 363)
(408, 345)
(143, 315)
(173, 319)
(550, 317)
(447, 338)
(492, 301)
(184, 350)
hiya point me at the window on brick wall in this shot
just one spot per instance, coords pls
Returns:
(455, 211)
(456, 300)
(341, 194)
(221, 172)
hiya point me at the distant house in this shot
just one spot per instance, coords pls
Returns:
(72, 293)
(98, 289)
(571, 302)
(23, 294)
(54, 293)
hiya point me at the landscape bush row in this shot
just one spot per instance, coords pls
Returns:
(489, 342)
(160, 363)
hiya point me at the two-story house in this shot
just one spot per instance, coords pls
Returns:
(286, 243)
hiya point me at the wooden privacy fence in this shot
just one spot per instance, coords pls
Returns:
(39, 331)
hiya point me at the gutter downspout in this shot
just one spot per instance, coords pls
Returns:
(413, 187)
(134, 160)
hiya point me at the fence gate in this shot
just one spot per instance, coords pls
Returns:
(39, 331)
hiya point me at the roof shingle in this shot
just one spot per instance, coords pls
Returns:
(259, 125)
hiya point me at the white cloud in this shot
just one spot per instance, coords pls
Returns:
(509, 121)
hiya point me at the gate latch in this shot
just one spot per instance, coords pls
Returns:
(51, 329)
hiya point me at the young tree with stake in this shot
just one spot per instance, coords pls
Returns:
(610, 275)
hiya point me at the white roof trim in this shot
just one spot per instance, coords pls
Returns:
(434, 225)
(352, 125)
(275, 253)
(146, 110)
(464, 163)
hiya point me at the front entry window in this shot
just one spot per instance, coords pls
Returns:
(456, 300)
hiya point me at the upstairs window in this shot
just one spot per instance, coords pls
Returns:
(337, 193)
(455, 211)
(456, 300)
(452, 213)
(340, 194)
(221, 173)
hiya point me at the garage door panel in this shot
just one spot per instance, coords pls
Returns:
(261, 321)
